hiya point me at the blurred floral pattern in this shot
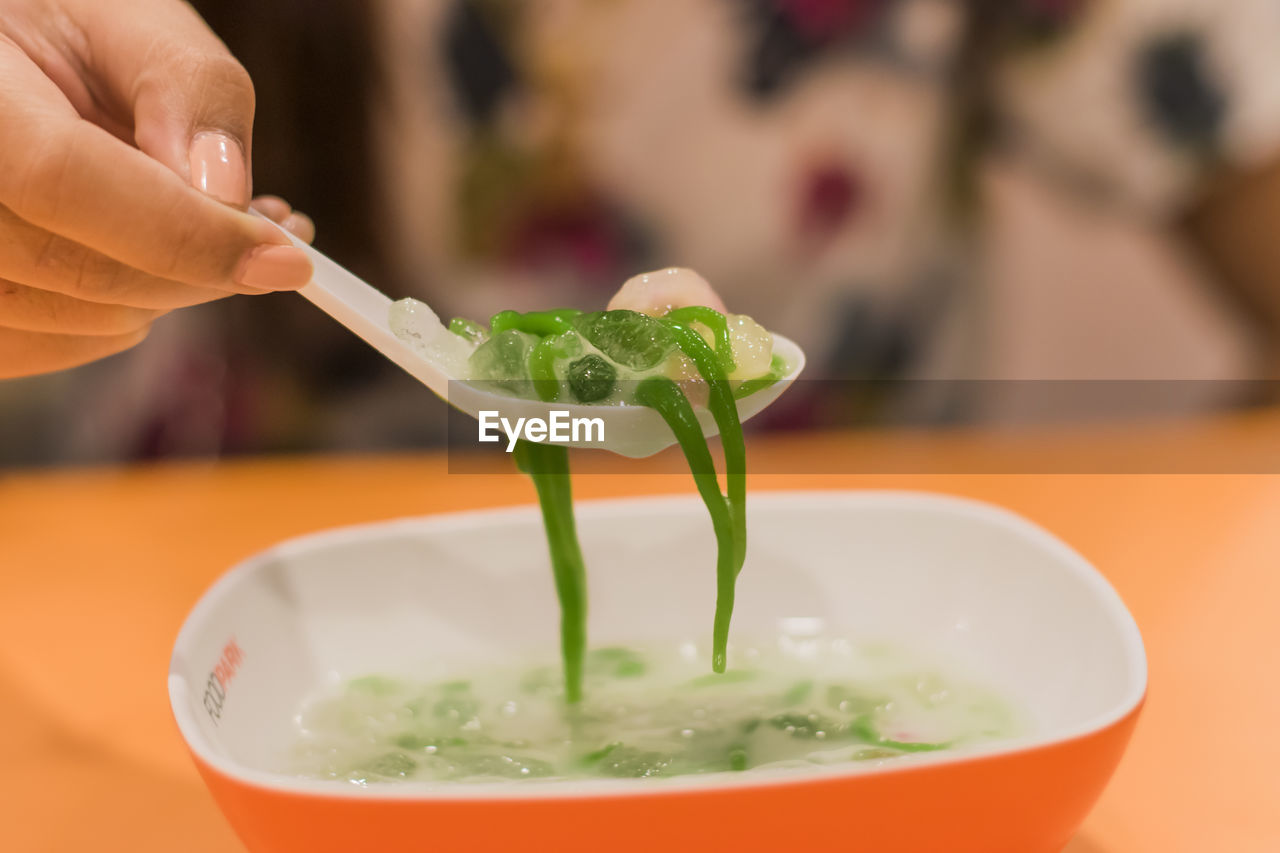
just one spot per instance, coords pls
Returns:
(808, 156)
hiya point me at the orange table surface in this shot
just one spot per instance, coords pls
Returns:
(99, 567)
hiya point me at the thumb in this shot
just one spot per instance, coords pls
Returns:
(192, 103)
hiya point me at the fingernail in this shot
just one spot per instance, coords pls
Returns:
(274, 268)
(218, 169)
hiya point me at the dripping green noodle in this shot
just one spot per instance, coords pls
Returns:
(548, 467)
(728, 511)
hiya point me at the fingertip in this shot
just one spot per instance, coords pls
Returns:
(138, 336)
(264, 232)
(273, 207)
(272, 267)
(301, 226)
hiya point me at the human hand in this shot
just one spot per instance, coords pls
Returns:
(125, 134)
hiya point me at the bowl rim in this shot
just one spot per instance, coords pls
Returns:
(1104, 593)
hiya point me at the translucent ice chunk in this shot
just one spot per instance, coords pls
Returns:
(629, 338)
(417, 325)
(504, 361)
(752, 347)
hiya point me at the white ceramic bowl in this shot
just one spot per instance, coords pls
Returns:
(954, 580)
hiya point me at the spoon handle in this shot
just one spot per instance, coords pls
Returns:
(364, 310)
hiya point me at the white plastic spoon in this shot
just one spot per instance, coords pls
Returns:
(634, 431)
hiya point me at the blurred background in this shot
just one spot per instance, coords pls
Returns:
(1007, 191)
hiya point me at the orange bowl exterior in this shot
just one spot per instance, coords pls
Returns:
(1030, 801)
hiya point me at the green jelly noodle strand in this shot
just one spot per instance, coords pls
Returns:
(668, 400)
(725, 411)
(548, 467)
(728, 515)
(464, 328)
(864, 729)
(542, 323)
(713, 320)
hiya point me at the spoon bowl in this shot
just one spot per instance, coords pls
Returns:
(628, 430)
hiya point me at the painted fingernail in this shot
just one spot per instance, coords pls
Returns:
(218, 168)
(274, 268)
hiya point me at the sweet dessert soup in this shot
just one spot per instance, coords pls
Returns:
(411, 654)
(801, 699)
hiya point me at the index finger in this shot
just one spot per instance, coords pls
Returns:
(73, 178)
